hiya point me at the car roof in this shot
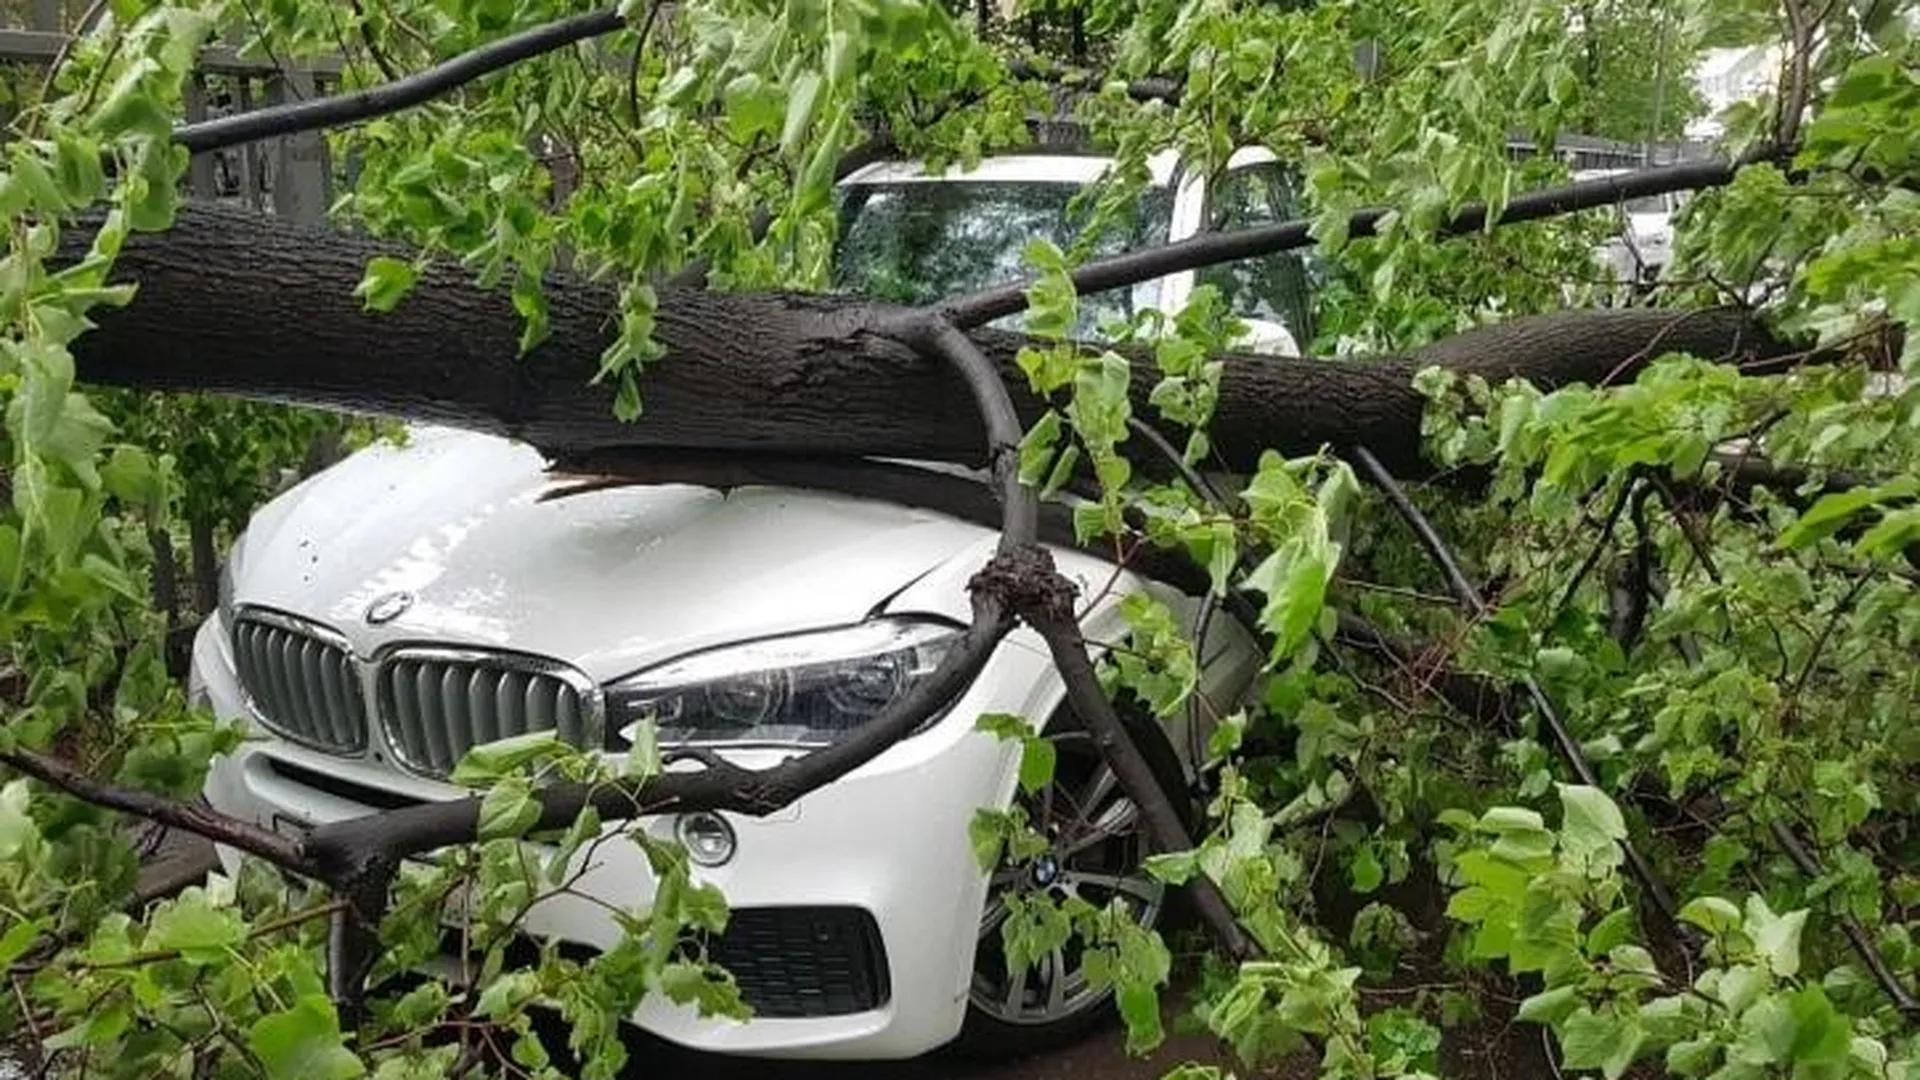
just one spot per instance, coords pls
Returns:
(1057, 167)
(1001, 168)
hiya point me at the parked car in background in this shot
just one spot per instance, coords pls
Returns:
(1643, 243)
(384, 617)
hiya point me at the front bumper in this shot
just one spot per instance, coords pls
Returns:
(889, 840)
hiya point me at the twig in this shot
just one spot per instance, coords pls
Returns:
(639, 54)
(1599, 546)
(265, 929)
(80, 28)
(373, 47)
(1211, 248)
(1201, 486)
(1629, 618)
(1476, 605)
(27, 1018)
(1793, 102)
(1689, 529)
(1820, 644)
(1903, 999)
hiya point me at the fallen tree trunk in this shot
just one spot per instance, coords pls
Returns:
(237, 303)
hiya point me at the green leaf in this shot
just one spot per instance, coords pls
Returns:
(20, 937)
(1140, 1009)
(492, 762)
(1174, 867)
(1610, 932)
(199, 931)
(1607, 1041)
(18, 830)
(1550, 1007)
(1591, 823)
(1767, 1032)
(508, 809)
(387, 281)
(1004, 726)
(1295, 584)
(987, 832)
(1821, 1035)
(803, 104)
(1366, 872)
(1777, 937)
(303, 1043)
(1832, 512)
(1692, 1057)
(1037, 758)
(1713, 914)
(1037, 448)
(507, 994)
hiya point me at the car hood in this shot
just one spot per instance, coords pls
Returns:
(466, 530)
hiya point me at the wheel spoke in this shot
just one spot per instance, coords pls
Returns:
(1139, 887)
(1016, 998)
(1056, 980)
(1118, 820)
(995, 915)
(1097, 790)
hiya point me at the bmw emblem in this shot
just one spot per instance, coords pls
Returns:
(387, 608)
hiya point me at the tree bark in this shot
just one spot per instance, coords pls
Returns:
(243, 304)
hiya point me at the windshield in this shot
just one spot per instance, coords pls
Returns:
(918, 242)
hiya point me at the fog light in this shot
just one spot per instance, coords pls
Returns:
(707, 837)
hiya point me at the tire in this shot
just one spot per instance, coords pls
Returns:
(998, 1027)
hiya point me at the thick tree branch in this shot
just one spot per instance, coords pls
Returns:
(187, 817)
(354, 106)
(779, 374)
(1049, 611)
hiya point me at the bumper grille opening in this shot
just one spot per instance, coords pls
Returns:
(377, 798)
(302, 684)
(436, 707)
(800, 962)
(790, 962)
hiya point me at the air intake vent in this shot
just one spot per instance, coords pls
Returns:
(793, 962)
(301, 680)
(437, 704)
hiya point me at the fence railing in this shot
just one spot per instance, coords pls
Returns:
(291, 176)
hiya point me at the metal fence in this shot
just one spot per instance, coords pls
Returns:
(291, 176)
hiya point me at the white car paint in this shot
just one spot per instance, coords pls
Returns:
(617, 580)
(1644, 243)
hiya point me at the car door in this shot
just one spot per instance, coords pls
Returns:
(1272, 293)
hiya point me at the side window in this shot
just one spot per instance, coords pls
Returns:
(1274, 288)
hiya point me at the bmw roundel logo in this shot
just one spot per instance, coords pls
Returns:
(385, 609)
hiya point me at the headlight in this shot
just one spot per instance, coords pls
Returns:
(808, 688)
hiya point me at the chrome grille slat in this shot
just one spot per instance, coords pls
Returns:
(570, 722)
(438, 704)
(433, 719)
(513, 694)
(482, 704)
(300, 680)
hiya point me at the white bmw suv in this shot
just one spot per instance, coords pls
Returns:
(387, 615)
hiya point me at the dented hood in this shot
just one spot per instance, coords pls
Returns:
(462, 532)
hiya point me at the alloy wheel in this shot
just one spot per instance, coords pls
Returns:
(1096, 852)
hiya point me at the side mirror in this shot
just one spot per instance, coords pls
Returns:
(1265, 337)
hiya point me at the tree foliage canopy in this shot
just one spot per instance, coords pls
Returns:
(1672, 665)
